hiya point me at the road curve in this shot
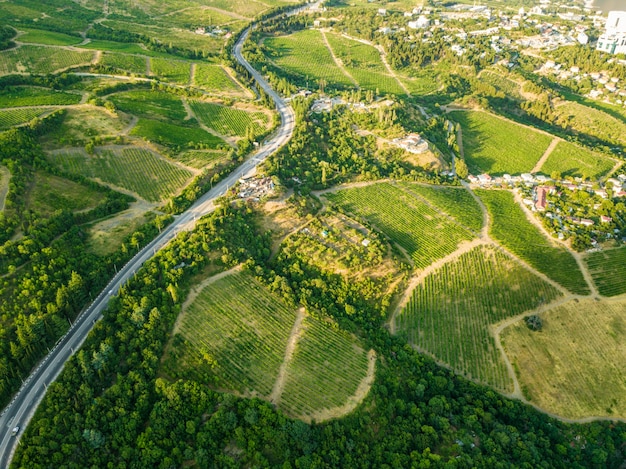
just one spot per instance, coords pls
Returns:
(22, 407)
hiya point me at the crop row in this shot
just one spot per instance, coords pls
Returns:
(608, 271)
(510, 227)
(425, 234)
(450, 312)
(135, 169)
(11, 117)
(229, 121)
(41, 60)
(17, 96)
(573, 160)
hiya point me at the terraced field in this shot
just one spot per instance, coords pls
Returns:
(575, 366)
(449, 313)
(41, 60)
(229, 121)
(425, 234)
(608, 271)
(456, 201)
(510, 227)
(499, 146)
(573, 160)
(135, 169)
(305, 54)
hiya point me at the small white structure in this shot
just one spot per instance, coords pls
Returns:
(613, 40)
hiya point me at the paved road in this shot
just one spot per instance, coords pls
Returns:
(21, 409)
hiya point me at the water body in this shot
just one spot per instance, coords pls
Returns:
(609, 5)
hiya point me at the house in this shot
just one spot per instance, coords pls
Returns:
(586, 222)
(382, 11)
(542, 198)
(527, 177)
(484, 179)
(605, 219)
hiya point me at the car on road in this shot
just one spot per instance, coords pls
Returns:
(15, 431)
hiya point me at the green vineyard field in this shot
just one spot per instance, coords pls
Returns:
(608, 271)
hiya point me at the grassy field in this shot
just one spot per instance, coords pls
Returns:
(510, 227)
(125, 63)
(17, 96)
(608, 271)
(112, 46)
(82, 124)
(175, 136)
(363, 62)
(425, 234)
(590, 121)
(449, 313)
(421, 81)
(41, 60)
(304, 53)
(327, 366)
(51, 193)
(575, 366)
(498, 146)
(201, 159)
(573, 160)
(456, 201)
(175, 71)
(215, 79)
(233, 336)
(106, 236)
(229, 121)
(11, 117)
(135, 169)
(38, 36)
(151, 104)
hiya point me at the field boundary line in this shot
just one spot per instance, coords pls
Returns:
(234, 78)
(355, 399)
(338, 61)
(297, 331)
(464, 247)
(546, 154)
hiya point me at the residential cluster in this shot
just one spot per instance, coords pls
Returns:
(601, 82)
(252, 188)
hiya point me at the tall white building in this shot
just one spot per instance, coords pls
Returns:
(613, 40)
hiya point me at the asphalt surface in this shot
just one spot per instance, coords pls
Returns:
(22, 407)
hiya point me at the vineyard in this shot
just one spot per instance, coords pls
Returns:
(422, 81)
(498, 146)
(16, 96)
(175, 136)
(125, 63)
(11, 117)
(135, 169)
(124, 48)
(214, 78)
(169, 70)
(363, 62)
(509, 87)
(41, 60)
(456, 201)
(229, 121)
(425, 234)
(573, 160)
(233, 336)
(203, 159)
(304, 53)
(325, 371)
(51, 193)
(38, 36)
(449, 314)
(590, 121)
(510, 227)
(608, 271)
(575, 366)
(152, 104)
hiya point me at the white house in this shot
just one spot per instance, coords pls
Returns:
(613, 40)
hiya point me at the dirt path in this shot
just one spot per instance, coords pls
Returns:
(131, 125)
(555, 141)
(354, 400)
(148, 67)
(188, 110)
(459, 141)
(5, 176)
(338, 61)
(383, 58)
(577, 256)
(464, 247)
(617, 166)
(296, 333)
(192, 73)
(197, 289)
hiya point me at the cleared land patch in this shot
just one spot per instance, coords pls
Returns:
(305, 54)
(456, 201)
(575, 366)
(51, 193)
(510, 227)
(234, 335)
(498, 146)
(41, 60)
(608, 271)
(135, 169)
(425, 234)
(82, 124)
(450, 312)
(573, 160)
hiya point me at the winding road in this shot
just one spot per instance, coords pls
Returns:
(22, 407)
